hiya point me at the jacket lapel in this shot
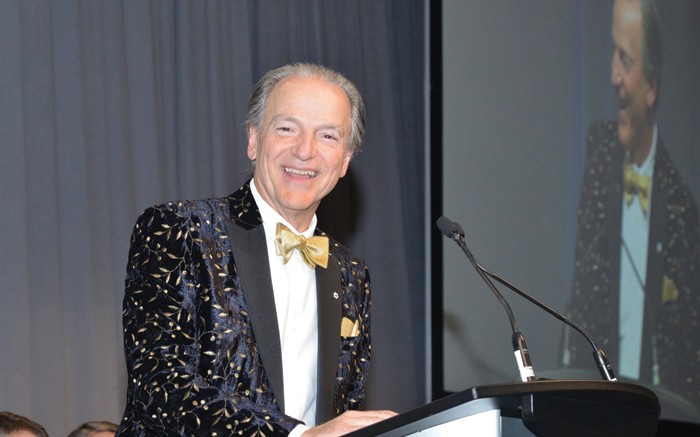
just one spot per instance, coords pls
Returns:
(250, 256)
(658, 226)
(329, 296)
(612, 254)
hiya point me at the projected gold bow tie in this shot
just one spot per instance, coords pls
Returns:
(313, 251)
(636, 185)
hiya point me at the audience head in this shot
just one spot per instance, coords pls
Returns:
(95, 429)
(14, 425)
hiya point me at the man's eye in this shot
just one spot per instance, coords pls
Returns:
(626, 61)
(330, 136)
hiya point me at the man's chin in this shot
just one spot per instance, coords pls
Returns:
(623, 135)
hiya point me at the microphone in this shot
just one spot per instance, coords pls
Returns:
(454, 231)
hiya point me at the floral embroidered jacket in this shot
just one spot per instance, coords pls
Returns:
(200, 329)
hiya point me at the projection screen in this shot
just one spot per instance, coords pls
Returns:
(522, 82)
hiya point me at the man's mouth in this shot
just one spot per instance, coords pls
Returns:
(622, 103)
(296, 172)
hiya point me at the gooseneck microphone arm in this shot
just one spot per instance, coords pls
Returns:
(606, 370)
(601, 360)
(454, 231)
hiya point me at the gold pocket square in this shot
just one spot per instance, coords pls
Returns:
(669, 292)
(348, 328)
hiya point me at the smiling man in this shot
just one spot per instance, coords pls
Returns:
(637, 262)
(241, 317)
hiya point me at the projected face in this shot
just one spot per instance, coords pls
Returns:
(635, 95)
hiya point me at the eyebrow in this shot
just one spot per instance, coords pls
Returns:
(293, 119)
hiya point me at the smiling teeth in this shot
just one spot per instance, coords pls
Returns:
(309, 173)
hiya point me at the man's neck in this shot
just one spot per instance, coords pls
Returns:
(301, 226)
(639, 154)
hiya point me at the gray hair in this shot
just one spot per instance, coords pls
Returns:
(262, 90)
(651, 45)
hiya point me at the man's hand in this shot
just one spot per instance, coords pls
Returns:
(349, 421)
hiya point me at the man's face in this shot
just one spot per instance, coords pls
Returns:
(635, 95)
(301, 147)
(21, 433)
(102, 434)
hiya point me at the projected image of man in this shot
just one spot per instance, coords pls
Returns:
(637, 263)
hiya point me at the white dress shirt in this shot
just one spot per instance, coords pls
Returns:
(294, 286)
(633, 273)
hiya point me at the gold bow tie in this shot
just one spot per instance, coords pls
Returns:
(314, 250)
(636, 185)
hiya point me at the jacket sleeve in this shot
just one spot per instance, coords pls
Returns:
(192, 362)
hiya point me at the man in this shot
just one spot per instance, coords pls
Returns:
(14, 425)
(637, 262)
(227, 333)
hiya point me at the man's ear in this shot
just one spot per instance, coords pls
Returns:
(252, 143)
(346, 162)
(652, 93)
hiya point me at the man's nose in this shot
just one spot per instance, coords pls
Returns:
(615, 74)
(306, 147)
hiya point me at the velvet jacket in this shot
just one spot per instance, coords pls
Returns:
(671, 330)
(201, 336)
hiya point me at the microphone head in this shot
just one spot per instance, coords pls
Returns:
(448, 227)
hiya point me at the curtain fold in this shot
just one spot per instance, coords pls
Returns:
(110, 107)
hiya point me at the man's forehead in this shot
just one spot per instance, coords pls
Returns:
(627, 25)
(628, 11)
(293, 92)
(320, 84)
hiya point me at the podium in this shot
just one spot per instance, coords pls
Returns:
(546, 408)
(674, 407)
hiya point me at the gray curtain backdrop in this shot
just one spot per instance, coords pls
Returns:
(108, 107)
